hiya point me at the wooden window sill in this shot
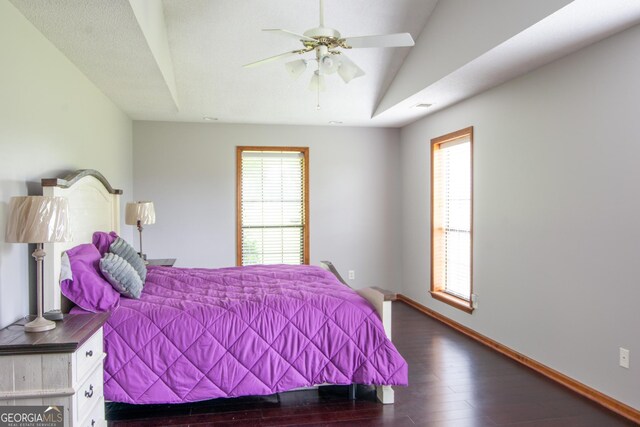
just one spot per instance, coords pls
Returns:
(456, 302)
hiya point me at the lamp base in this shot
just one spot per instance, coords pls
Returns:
(39, 324)
(53, 315)
(143, 257)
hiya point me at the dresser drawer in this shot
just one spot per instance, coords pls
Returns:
(89, 393)
(95, 418)
(60, 368)
(88, 355)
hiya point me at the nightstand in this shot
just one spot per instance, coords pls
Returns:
(166, 262)
(60, 367)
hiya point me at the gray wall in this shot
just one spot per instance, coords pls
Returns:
(556, 202)
(189, 171)
(557, 236)
(52, 120)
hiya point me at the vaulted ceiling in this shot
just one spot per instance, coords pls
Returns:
(181, 60)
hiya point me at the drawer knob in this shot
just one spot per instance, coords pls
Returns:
(89, 353)
(89, 393)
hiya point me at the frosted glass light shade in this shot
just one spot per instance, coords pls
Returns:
(317, 82)
(296, 68)
(329, 64)
(348, 70)
(142, 211)
(38, 219)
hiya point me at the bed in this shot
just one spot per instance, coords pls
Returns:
(198, 334)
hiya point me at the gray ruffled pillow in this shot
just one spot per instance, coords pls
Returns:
(124, 250)
(121, 275)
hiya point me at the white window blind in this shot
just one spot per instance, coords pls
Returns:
(272, 207)
(452, 217)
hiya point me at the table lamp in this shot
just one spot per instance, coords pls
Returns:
(140, 213)
(39, 220)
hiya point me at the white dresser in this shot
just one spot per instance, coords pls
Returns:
(61, 367)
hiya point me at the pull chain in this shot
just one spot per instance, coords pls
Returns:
(318, 87)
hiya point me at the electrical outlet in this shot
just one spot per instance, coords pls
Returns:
(352, 275)
(624, 357)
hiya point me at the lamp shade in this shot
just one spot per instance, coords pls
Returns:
(317, 82)
(142, 211)
(295, 68)
(348, 70)
(329, 64)
(38, 219)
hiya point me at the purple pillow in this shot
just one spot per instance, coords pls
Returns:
(87, 288)
(103, 240)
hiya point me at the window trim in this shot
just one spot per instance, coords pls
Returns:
(305, 228)
(437, 289)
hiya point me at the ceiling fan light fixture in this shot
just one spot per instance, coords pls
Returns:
(317, 82)
(329, 46)
(347, 71)
(328, 64)
(296, 68)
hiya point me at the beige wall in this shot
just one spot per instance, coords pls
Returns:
(557, 236)
(189, 171)
(52, 120)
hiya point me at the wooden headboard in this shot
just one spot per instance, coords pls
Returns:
(94, 205)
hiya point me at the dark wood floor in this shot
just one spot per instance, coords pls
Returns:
(454, 381)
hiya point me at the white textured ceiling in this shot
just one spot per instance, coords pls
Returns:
(574, 26)
(104, 41)
(210, 40)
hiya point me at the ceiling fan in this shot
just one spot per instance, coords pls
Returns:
(327, 43)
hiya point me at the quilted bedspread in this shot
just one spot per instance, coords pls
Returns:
(198, 334)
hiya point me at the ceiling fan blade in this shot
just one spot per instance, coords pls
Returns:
(388, 40)
(290, 34)
(271, 58)
(348, 70)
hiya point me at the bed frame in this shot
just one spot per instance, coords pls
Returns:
(94, 205)
(381, 300)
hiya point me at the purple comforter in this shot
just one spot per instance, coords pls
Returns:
(198, 334)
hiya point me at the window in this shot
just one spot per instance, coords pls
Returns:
(452, 218)
(273, 205)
